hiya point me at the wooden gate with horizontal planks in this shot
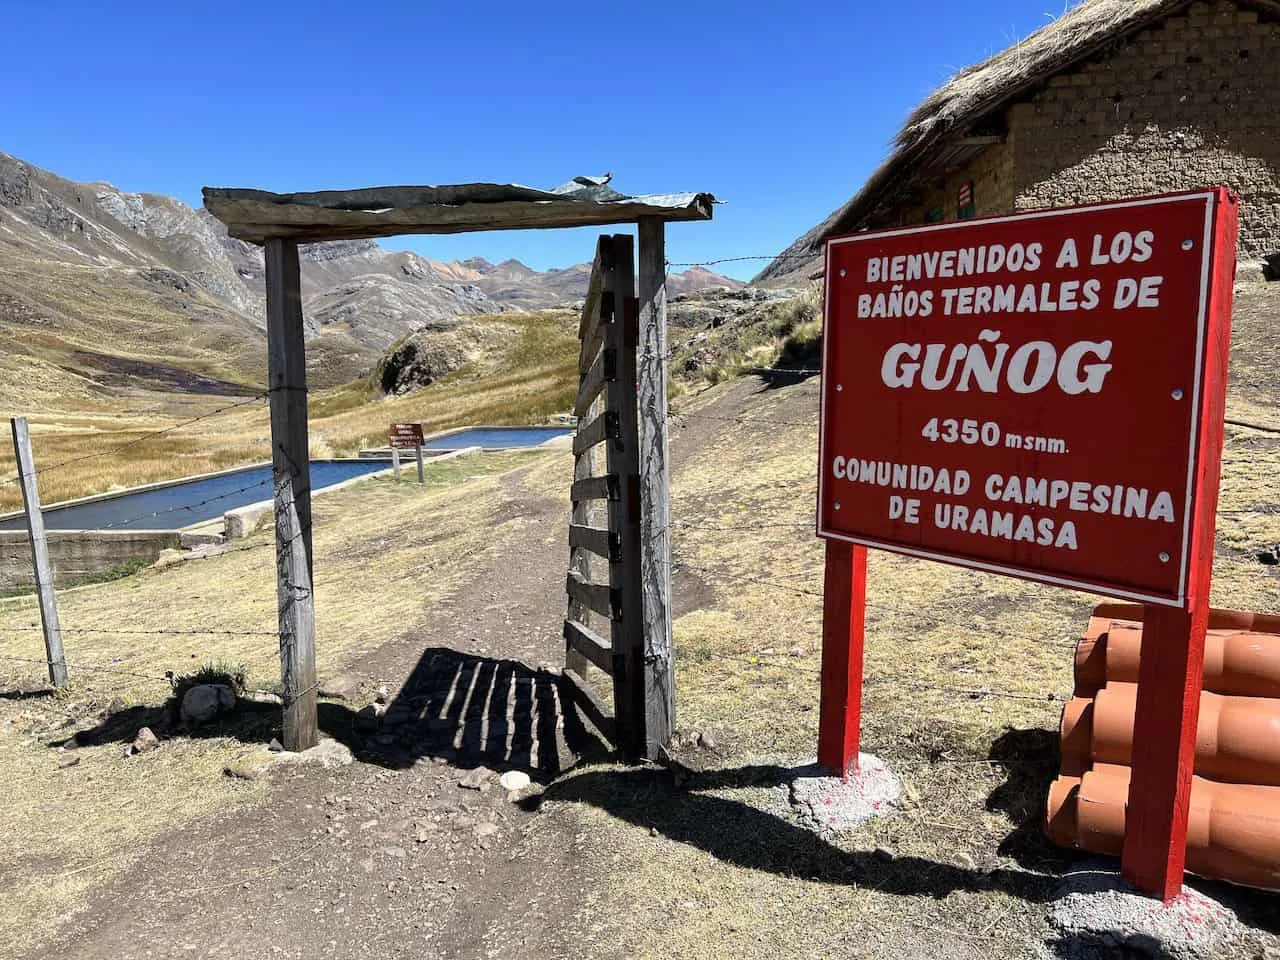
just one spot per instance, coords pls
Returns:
(604, 627)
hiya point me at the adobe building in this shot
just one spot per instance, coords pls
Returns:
(1116, 98)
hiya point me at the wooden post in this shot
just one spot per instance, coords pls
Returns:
(39, 552)
(291, 465)
(655, 503)
(395, 461)
(622, 457)
(1171, 668)
(422, 470)
(844, 601)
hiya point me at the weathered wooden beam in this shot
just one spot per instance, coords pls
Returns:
(595, 286)
(602, 428)
(595, 488)
(597, 597)
(655, 504)
(602, 543)
(590, 644)
(257, 216)
(39, 552)
(603, 370)
(291, 468)
(586, 700)
(622, 456)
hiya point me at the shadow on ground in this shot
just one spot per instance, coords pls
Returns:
(1030, 759)
(468, 710)
(739, 834)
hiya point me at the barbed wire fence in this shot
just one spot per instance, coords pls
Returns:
(185, 511)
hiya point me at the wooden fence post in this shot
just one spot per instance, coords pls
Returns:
(655, 513)
(395, 461)
(422, 470)
(39, 552)
(622, 458)
(291, 464)
(844, 602)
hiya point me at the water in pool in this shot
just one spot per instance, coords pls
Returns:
(192, 502)
(509, 437)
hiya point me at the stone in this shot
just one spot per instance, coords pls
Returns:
(252, 765)
(67, 760)
(275, 746)
(831, 806)
(477, 779)
(383, 694)
(707, 740)
(144, 741)
(486, 829)
(514, 780)
(345, 687)
(205, 701)
(1093, 902)
(329, 754)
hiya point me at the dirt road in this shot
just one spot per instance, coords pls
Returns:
(392, 856)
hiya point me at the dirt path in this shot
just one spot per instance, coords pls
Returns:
(392, 856)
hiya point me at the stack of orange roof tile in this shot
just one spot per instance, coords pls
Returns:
(1234, 830)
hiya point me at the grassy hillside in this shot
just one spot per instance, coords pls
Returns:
(524, 369)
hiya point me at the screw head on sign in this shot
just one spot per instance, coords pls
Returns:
(1164, 557)
(839, 387)
(1177, 394)
(837, 506)
(843, 271)
(1188, 244)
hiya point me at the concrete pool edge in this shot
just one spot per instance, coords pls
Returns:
(244, 521)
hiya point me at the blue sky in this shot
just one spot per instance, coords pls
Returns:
(779, 109)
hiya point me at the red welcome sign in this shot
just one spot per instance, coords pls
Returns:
(1024, 394)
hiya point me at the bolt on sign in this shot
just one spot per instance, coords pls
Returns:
(1023, 394)
(406, 435)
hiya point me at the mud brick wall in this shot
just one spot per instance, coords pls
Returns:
(1188, 104)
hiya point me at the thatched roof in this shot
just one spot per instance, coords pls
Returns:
(934, 135)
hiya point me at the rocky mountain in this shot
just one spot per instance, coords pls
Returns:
(101, 272)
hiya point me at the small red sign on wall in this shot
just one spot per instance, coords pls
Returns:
(1023, 394)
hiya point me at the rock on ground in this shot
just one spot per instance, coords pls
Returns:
(205, 701)
(144, 741)
(514, 780)
(1096, 914)
(831, 805)
(329, 754)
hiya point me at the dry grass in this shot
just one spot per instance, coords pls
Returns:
(397, 551)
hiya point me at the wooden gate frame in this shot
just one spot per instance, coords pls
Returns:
(616, 384)
(280, 222)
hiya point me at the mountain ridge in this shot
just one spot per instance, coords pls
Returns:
(102, 270)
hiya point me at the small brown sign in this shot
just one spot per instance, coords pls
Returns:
(405, 435)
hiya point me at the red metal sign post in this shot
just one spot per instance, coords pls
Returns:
(1039, 395)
